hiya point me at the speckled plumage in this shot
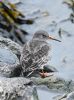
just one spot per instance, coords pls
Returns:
(35, 53)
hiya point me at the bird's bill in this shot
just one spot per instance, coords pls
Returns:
(54, 39)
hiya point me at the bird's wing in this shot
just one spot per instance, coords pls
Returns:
(34, 55)
(26, 59)
(25, 52)
(40, 51)
(41, 55)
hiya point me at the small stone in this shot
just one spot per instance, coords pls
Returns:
(70, 96)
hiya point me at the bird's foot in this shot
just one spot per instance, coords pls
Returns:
(44, 74)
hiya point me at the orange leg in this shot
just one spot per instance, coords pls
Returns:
(43, 74)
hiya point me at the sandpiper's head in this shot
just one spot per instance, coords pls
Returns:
(43, 35)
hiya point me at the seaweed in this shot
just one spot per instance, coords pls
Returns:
(11, 19)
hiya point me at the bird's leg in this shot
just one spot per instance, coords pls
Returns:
(32, 71)
(43, 74)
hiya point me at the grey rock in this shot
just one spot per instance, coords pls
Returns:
(70, 96)
(15, 89)
(16, 48)
(7, 56)
(50, 68)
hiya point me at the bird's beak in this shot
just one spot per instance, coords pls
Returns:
(54, 39)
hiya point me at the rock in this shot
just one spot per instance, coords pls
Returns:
(14, 47)
(60, 97)
(9, 57)
(55, 83)
(48, 68)
(16, 89)
(67, 96)
(70, 96)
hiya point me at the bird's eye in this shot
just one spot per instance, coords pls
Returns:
(44, 36)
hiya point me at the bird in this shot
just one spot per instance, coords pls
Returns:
(35, 53)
